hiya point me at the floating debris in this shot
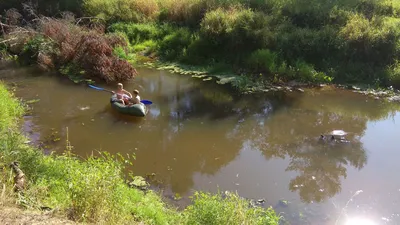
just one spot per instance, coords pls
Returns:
(32, 101)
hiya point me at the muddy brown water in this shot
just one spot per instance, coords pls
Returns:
(199, 136)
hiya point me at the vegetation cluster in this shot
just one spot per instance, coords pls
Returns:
(314, 41)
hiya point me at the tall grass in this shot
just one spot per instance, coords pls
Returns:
(312, 41)
(94, 190)
(10, 110)
(125, 10)
(213, 210)
(341, 41)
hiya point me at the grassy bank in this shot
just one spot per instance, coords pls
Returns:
(352, 41)
(94, 190)
(345, 41)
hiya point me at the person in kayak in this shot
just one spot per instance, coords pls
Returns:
(135, 99)
(122, 95)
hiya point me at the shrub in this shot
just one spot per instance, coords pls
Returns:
(263, 60)
(214, 209)
(106, 9)
(220, 23)
(349, 40)
(189, 12)
(174, 45)
(306, 72)
(45, 7)
(93, 190)
(394, 74)
(123, 10)
(311, 45)
(59, 44)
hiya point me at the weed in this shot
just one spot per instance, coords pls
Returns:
(214, 209)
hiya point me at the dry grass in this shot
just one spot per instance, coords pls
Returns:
(139, 10)
(188, 12)
(13, 215)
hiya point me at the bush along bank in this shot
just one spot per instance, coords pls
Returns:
(309, 41)
(81, 53)
(94, 190)
(250, 44)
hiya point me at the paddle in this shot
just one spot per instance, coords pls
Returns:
(99, 88)
(144, 101)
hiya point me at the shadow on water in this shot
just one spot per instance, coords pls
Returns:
(120, 118)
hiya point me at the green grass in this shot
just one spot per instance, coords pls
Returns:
(94, 189)
(10, 110)
(214, 210)
(312, 41)
(352, 41)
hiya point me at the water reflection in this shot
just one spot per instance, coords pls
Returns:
(194, 129)
(292, 132)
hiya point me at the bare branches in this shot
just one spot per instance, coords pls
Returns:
(8, 40)
(79, 20)
(60, 43)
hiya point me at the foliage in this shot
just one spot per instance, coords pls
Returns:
(125, 10)
(58, 44)
(313, 41)
(394, 74)
(213, 209)
(45, 7)
(340, 41)
(10, 110)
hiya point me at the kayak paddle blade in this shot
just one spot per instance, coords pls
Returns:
(146, 102)
(97, 88)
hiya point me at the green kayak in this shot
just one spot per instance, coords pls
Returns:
(138, 110)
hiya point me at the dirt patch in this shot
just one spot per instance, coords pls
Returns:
(12, 215)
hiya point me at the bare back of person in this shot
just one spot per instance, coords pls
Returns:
(123, 95)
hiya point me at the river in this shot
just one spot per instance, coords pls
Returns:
(200, 136)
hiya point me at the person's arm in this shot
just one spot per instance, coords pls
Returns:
(128, 93)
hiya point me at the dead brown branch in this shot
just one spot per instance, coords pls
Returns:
(62, 43)
(8, 40)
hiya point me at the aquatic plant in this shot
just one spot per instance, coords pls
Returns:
(214, 209)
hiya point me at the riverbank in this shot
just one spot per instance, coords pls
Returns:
(255, 47)
(246, 85)
(94, 190)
